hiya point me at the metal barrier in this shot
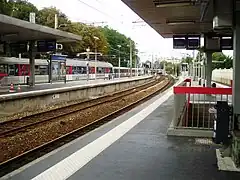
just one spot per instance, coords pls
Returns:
(192, 105)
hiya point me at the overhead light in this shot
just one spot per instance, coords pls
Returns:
(10, 35)
(172, 23)
(160, 4)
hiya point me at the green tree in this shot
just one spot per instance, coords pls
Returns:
(47, 17)
(88, 41)
(5, 7)
(17, 8)
(114, 39)
(221, 61)
(169, 67)
(21, 10)
(228, 62)
(218, 59)
(187, 59)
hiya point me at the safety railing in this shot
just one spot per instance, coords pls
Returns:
(192, 105)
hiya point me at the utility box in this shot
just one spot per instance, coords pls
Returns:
(222, 122)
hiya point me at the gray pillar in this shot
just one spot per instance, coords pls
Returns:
(209, 69)
(236, 66)
(130, 58)
(50, 70)
(32, 63)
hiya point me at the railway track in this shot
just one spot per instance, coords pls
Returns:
(9, 128)
(20, 160)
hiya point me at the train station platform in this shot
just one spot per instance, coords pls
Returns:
(132, 146)
(58, 85)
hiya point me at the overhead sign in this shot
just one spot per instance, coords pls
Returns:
(46, 46)
(193, 42)
(58, 57)
(212, 43)
(179, 42)
(32, 17)
(19, 47)
(226, 43)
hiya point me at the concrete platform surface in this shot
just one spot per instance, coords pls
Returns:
(56, 85)
(133, 146)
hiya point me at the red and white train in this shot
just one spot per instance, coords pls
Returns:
(15, 70)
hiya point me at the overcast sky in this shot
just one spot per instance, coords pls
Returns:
(118, 16)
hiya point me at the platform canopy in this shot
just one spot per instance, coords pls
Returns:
(169, 17)
(12, 29)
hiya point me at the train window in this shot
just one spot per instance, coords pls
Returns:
(43, 70)
(92, 70)
(24, 69)
(3, 69)
(67, 69)
(84, 70)
(74, 70)
(100, 70)
(12, 70)
(79, 70)
(106, 70)
(37, 72)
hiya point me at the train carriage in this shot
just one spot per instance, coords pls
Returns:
(15, 70)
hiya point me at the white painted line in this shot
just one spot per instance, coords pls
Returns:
(68, 166)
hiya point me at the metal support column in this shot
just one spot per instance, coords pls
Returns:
(131, 58)
(95, 66)
(32, 63)
(236, 66)
(50, 70)
(209, 69)
(119, 66)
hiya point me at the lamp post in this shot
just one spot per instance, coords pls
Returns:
(96, 38)
(88, 50)
(119, 61)
(130, 45)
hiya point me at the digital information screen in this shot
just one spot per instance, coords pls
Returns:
(193, 42)
(226, 43)
(179, 42)
(19, 47)
(46, 46)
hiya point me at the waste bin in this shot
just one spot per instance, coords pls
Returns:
(221, 112)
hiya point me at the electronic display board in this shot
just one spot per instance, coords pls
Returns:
(193, 42)
(226, 43)
(179, 42)
(19, 47)
(46, 46)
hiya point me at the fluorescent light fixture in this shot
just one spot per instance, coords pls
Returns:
(172, 5)
(11, 35)
(160, 4)
(172, 23)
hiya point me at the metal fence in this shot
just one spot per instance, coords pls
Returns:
(193, 105)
